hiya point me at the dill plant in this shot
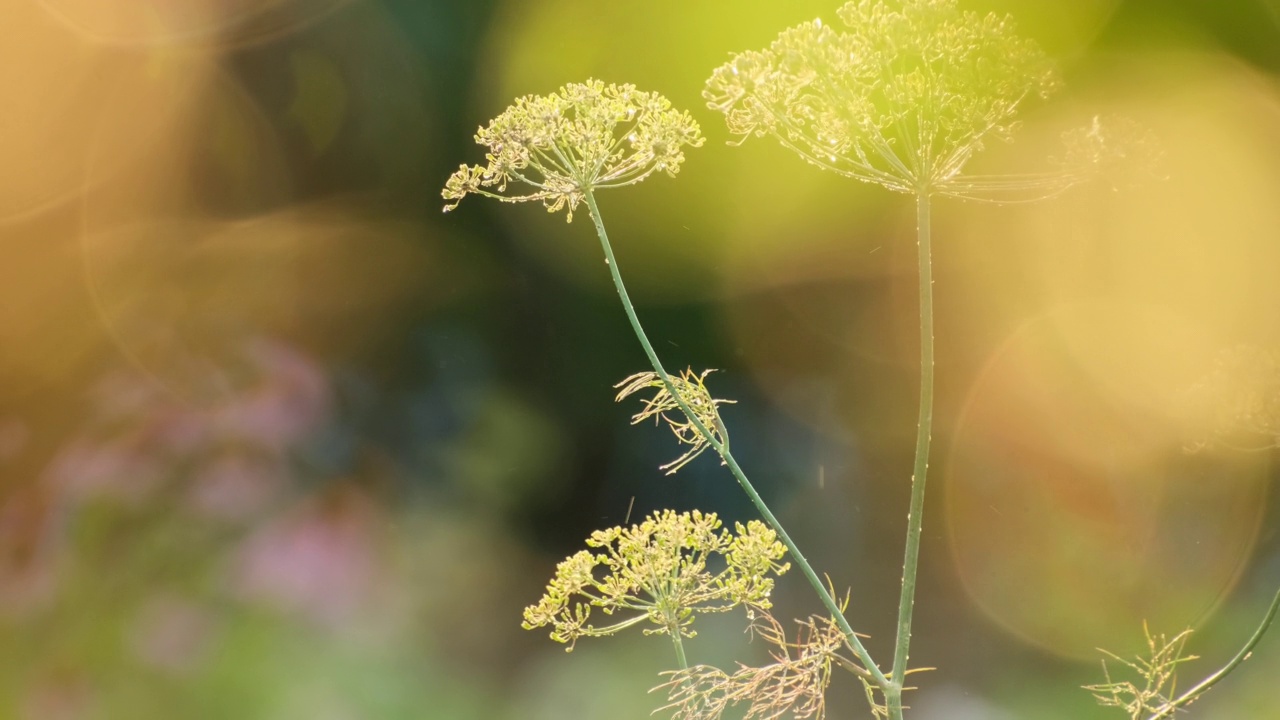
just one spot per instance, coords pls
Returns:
(591, 136)
(903, 96)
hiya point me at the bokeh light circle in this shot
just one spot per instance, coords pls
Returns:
(1073, 511)
(1196, 233)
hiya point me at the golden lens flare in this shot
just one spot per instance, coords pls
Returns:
(64, 96)
(1071, 504)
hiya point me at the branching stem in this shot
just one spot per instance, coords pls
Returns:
(828, 601)
(1201, 687)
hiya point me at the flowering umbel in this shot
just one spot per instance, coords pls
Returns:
(658, 571)
(584, 137)
(903, 97)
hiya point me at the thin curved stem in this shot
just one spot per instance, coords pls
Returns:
(924, 429)
(828, 601)
(1200, 688)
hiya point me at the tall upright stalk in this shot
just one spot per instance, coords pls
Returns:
(878, 677)
(924, 430)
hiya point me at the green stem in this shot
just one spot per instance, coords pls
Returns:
(924, 428)
(827, 600)
(1194, 693)
(679, 645)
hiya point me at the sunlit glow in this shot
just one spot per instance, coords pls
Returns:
(64, 95)
(279, 439)
(1072, 505)
(220, 22)
(1070, 501)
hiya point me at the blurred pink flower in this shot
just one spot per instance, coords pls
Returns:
(235, 486)
(233, 453)
(320, 560)
(120, 468)
(289, 400)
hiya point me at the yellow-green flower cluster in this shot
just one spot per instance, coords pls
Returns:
(585, 137)
(663, 406)
(658, 572)
(903, 97)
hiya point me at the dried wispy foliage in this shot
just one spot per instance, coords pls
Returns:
(1156, 677)
(662, 407)
(793, 685)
